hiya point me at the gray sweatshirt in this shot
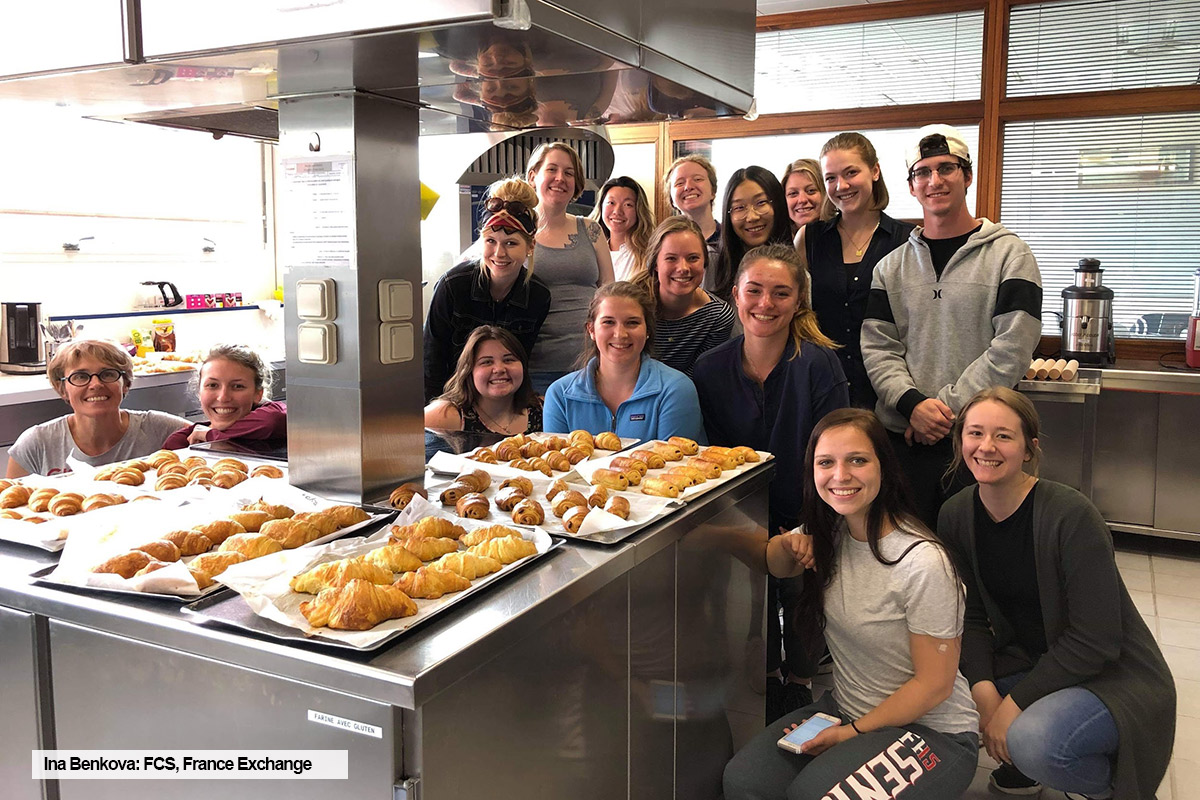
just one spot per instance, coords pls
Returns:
(950, 337)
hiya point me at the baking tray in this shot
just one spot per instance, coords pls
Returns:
(232, 611)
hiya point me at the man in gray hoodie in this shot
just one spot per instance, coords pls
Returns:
(955, 309)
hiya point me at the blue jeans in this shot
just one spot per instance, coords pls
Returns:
(1067, 740)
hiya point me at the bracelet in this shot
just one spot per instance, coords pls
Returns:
(854, 724)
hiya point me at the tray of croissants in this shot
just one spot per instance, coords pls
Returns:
(362, 592)
(180, 552)
(677, 468)
(547, 454)
(42, 511)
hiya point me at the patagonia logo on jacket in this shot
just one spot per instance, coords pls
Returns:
(637, 417)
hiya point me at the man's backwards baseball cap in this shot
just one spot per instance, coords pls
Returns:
(937, 140)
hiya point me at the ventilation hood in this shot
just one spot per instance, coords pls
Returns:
(481, 65)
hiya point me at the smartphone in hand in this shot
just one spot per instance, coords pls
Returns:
(810, 728)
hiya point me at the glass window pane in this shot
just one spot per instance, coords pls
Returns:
(1102, 45)
(862, 65)
(1120, 189)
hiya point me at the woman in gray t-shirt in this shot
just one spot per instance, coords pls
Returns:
(93, 377)
(886, 595)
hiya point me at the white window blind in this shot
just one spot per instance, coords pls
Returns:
(1102, 45)
(1122, 189)
(861, 65)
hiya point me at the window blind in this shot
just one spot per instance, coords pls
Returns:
(861, 65)
(1102, 45)
(1121, 189)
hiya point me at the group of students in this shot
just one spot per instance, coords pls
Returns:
(93, 377)
(868, 360)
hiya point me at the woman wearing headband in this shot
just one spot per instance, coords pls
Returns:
(498, 289)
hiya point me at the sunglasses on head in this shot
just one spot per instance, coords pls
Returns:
(494, 204)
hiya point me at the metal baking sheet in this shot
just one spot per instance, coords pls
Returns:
(233, 612)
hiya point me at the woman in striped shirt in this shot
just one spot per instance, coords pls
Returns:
(690, 321)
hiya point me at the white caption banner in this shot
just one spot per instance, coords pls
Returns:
(191, 764)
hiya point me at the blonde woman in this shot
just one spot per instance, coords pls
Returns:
(692, 185)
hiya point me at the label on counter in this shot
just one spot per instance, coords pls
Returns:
(345, 724)
(205, 765)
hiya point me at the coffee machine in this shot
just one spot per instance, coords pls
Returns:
(1087, 323)
(22, 349)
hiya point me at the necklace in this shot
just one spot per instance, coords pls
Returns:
(503, 428)
(859, 247)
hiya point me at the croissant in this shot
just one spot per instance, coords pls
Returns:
(610, 479)
(334, 574)
(507, 498)
(519, 463)
(573, 519)
(618, 505)
(194, 461)
(251, 545)
(557, 461)
(275, 510)
(434, 528)
(660, 487)
(480, 535)
(172, 468)
(739, 458)
(128, 477)
(106, 473)
(749, 453)
(484, 456)
(695, 477)
(668, 451)
(517, 439)
(575, 454)
(710, 469)
(467, 564)
(430, 584)
(608, 441)
(153, 566)
(426, 549)
(6, 483)
(357, 606)
(40, 499)
(528, 512)
(565, 501)
(723, 462)
(532, 449)
(319, 520)
(161, 550)
(394, 557)
(598, 497)
(126, 565)
(558, 486)
(680, 482)
(230, 463)
(519, 482)
(161, 457)
(65, 504)
(213, 564)
(652, 459)
(346, 515)
(190, 543)
(290, 532)
(266, 471)
(15, 496)
(473, 506)
(455, 492)
(403, 494)
(8, 513)
(478, 480)
(228, 478)
(219, 530)
(252, 521)
(687, 446)
(625, 463)
(507, 451)
(141, 465)
(506, 549)
(542, 466)
(196, 474)
(168, 481)
(203, 579)
(578, 436)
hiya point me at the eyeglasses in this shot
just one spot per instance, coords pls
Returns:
(494, 204)
(944, 170)
(740, 211)
(82, 378)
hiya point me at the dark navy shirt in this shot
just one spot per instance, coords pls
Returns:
(776, 416)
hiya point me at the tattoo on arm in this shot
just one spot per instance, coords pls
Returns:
(593, 230)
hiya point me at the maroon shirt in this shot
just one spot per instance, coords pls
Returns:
(268, 421)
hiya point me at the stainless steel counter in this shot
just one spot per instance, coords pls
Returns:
(578, 639)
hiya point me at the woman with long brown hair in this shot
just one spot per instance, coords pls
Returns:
(489, 391)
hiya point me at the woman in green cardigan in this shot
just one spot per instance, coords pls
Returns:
(1072, 690)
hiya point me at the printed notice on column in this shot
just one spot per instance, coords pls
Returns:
(318, 212)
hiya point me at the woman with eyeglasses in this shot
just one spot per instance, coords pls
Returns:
(755, 215)
(497, 289)
(624, 214)
(231, 384)
(842, 249)
(93, 378)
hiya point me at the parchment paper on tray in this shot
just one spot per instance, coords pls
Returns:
(445, 463)
(263, 582)
(108, 535)
(586, 468)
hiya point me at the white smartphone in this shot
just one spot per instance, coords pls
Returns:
(811, 727)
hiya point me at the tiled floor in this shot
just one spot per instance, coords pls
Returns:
(1163, 576)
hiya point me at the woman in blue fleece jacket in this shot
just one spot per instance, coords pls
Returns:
(620, 388)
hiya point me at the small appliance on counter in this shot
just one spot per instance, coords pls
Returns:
(1087, 324)
(163, 295)
(22, 349)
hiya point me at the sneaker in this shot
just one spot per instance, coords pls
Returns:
(1007, 779)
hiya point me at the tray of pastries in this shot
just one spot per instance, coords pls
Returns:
(548, 454)
(362, 593)
(179, 552)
